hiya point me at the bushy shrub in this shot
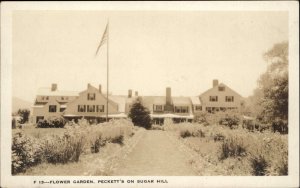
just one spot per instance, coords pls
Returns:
(259, 165)
(270, 148)
(24, 114)
(64, 149)
(185, 133)
(255, 125)
(52, 122)
(26, 152)
(96, 141)
(232, 147)
(230, 121)
(189, 130)
(219, 137)
(280, 126)
(202, 118)
(76, 140)
(230, 118)
(118, 139)
(198, 133)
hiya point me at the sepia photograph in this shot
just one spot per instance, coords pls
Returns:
(149, 94)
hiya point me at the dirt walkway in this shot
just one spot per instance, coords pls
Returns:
(155, 155)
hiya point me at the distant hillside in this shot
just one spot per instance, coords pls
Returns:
(18, 103)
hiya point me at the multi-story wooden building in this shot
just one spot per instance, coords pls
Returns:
(91, 104)
(220, 98)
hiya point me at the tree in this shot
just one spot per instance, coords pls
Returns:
(140, 115)
(274, 83)
(269, 102)
(24, 113)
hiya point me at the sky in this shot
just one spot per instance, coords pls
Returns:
(148, 50)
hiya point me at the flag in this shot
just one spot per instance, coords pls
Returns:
(104, 38)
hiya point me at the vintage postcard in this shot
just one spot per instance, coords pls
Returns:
(150, 94)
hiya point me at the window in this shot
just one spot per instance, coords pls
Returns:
(215, 109)
(221, 88)
(229, 99)
(198, 108)
(158, 108)
(208, 109)
(47, 98)
(100, 108)
(91, 96)
(62, 98)
(81, 108)
(90, 108)
(181, 109)
(62, 109)
(52, 108)
(39, 118)
(213, 98)
(43, 98)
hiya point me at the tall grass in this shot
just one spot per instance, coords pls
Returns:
(67, 147)
(262, 153)
(232, 147)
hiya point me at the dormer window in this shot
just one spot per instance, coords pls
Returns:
(158, 108)
(62, 98)
(47, 98)
(52, 108)
(221, 88)
(91, 96)
(43, 98)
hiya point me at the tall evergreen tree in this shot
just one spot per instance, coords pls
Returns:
(140, 115)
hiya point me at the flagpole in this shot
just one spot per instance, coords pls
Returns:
(107, 73)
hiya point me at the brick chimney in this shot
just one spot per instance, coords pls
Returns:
(168, 96)
(100, 88)
(215, 82)
(136, 93)
(88, 85)
(129, 93)
(53, 87)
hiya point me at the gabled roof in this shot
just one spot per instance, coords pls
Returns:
(148, 101)
(159, 100)
(48, 92)
(90, 87)
(195, 100)
(181, 100)
(221, 84)
(120, 100)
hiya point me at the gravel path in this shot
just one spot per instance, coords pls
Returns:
(155, 155)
